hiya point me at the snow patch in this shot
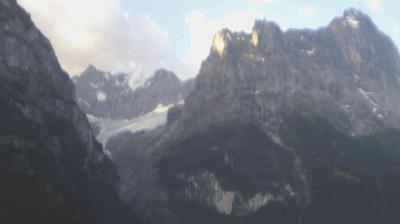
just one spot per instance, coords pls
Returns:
(290, 190)
(101, 96)
(107, 76)
(108, 153)
(366, 95)
(261, 199)
(353, 22)
(356, 78)
(346, 107)
(310, 52)
(84, 102)
(110, 128)
(94, 85)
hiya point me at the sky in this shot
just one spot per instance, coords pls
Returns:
(121, 35)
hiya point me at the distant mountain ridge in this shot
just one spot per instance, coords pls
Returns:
(121, 96)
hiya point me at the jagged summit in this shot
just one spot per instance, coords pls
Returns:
(263, 24)
(125, 96)
(164, 73)
(344, 60)
(90, 68)
(267, 36)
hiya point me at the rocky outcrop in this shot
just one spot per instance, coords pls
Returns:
(282, 127)
(52, 168)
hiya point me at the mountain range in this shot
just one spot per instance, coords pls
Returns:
(286, 127)
(125, 96)
(116, 103)
(297, 126)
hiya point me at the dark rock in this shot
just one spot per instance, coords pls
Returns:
(52, 168)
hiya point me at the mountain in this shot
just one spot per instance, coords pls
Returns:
(300, 126)
(119, 103)
(52, 169)
(118, 96)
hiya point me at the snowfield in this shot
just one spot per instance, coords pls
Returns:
(110, 128)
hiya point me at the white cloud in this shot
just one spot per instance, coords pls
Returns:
(373, 5)
(102, 33)
(283, 22)
(307, 10)
(396, 31)
(203, 29)
(396, 35)
(262, 2)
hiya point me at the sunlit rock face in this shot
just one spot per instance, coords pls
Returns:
(294, 127)
(349, 64)
(254, 39)
(220, 41)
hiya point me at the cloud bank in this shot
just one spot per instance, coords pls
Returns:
(100, 32)
(373, 5)
(261, 2)
(307, 10)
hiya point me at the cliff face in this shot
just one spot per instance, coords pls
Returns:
(299, 126)
(52, 168)
(349, 71)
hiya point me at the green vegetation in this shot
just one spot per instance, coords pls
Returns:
(14, 142)
(345, 175)
(29, 193)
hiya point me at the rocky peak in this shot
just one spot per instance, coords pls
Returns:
(90, 69)
(164, 74)
(266, 35)
(350, 62)
(353, 20)
(221, 41)
(94, 74)
(356, 17)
